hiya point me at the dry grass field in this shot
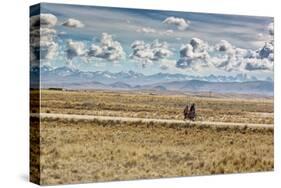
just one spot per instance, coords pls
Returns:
(163, 106)
(75, 150)
(85, 151)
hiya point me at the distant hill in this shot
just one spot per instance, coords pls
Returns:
(65, 77)
(251, 87)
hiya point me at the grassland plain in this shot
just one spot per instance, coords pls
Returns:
(162, 106)
(75, 151)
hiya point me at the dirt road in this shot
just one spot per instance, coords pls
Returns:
(132, 119)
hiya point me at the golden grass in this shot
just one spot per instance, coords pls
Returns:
(145, 105)
(75, 151)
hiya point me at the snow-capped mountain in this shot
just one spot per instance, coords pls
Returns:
(67, 77)
(130, 77)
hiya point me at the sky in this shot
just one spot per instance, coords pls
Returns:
(93, 38)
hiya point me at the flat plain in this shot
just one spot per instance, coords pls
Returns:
(158, 105)
(75, 151)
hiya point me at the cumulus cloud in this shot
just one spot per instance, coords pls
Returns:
(224, 46)
(48, 50)
(43, 45)
(73, 23)
(266, 51)
(43, 20)
(107, 49)
(180, 23)
(75, 49)
(225, 56)
(258, 64)
(150, 52)
(194, 54)
(48, 45)
(232, 58)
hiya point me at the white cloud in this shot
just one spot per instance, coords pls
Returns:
(150, 52)
(75, 49)
(73, 23)
(260, 35)
(146, 30)
(224, 46)
(271, 28)
(180, 23)
(107, 49)
(48, 49)
(266, 51)
(258, 64)
(43, 20)
(225, 56)
(43, 45)
(169, 31)
(238, 59)
(193, 55)
(167, 64)
(149, 30)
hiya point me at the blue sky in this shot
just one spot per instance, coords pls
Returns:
(100, 38)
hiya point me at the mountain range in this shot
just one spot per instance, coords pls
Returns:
(66, 77)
